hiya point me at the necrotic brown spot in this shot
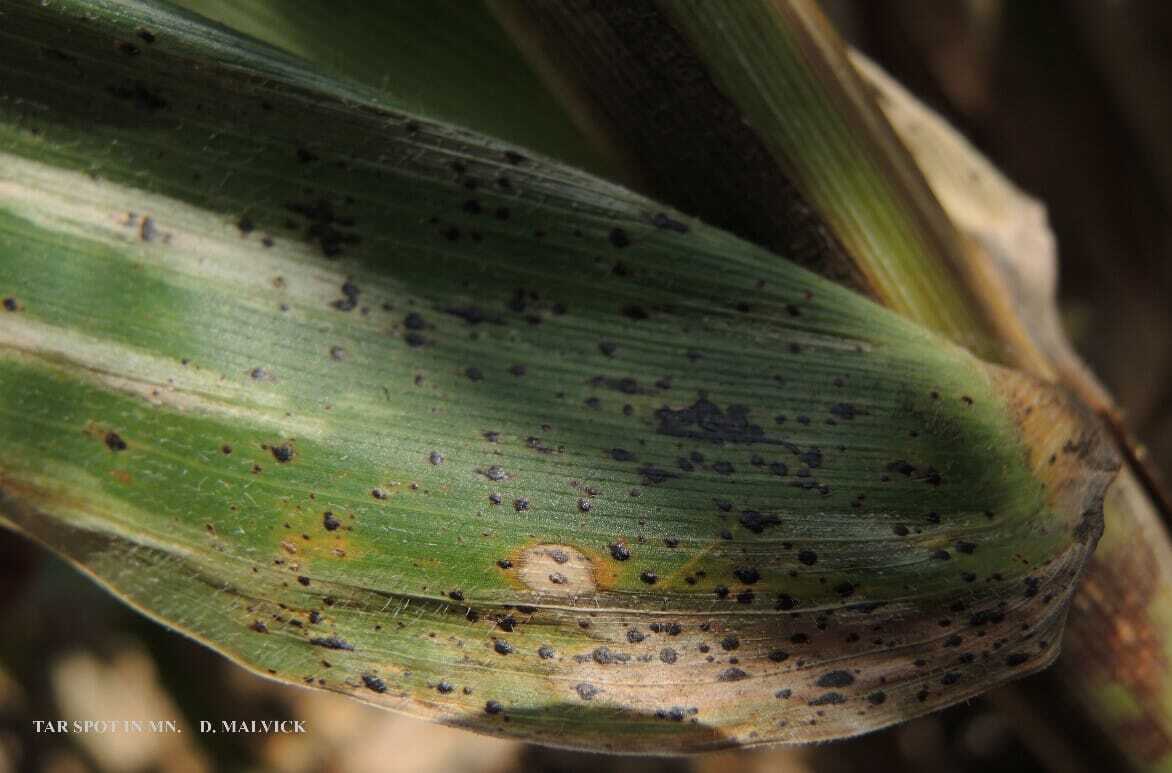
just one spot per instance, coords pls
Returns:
(538, 565)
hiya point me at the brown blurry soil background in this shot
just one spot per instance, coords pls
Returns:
(1071, 98)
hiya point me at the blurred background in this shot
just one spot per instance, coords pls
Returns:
(1071, 98)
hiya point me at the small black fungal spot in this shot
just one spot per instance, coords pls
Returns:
(515, 158)
(953, 641)
(502, 647)
(618, 238)
(777, 656)
(259, 626)
(662, 221)
(622, 455)
(146, 36)
(557, 578)
(966, 547)
(374, 683)
(900, 530)
(10, 304)
(619, 551)
(785, 602)
(758, 522)
(653, 475)
(306, 156)
(332, 643)
(303, 580)
(115, 442)
(844, 410)
(521, 503)
(473, 315)
(747, 574)
(586, 691)
(456, 595)
(730, 643)
(435, 457)
(633, 312)
(584, 505)
(142, 97)
(493, 707)
(941, 555)
(495, 473)
(608, 348)
(836, 679)
(877, 698)
(494, 499)
(545, 652)
(668, 655)
(330, 521)
(517, 370)
(731, 675)
(829, 699)
(505, 563)
(811, 458)
(604, 656)
(444, 687)
(1016, 659)
(808, 557)
(283, 453)
(649, 577)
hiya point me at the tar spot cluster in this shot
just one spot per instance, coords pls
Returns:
(330, 230)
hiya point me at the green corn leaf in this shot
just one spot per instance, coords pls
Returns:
(446, 59)
(377, 405)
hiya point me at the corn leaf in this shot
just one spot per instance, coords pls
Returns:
(446, 59)
(378, 405)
